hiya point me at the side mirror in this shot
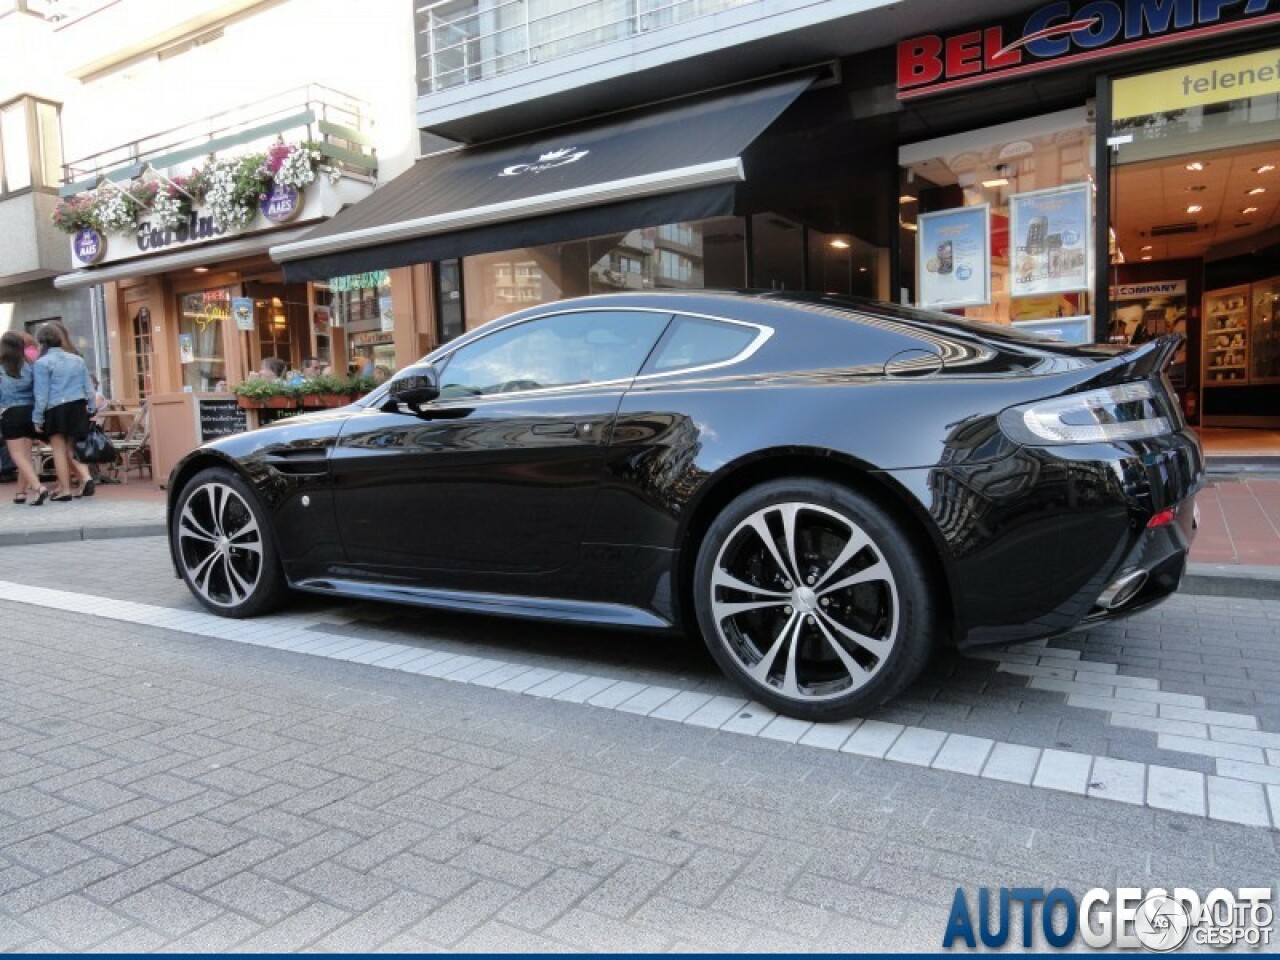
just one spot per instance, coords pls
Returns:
(414, 386)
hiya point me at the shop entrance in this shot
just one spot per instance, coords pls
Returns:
(1195, 224)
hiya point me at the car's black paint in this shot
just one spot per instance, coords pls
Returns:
(558, 500)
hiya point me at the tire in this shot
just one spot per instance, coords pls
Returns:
(225, 551)
(818, 647)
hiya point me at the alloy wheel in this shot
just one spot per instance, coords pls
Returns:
(805, 601)
(220, 545)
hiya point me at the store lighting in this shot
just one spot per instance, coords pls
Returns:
(1248, 210)
(1194, 208)
(1257, 190)
(906, 198)
(862, 269)
(1195, 166)
(1146, 248)
(840, 244)
(992, 184)
(202, 270)
(1265, 168)
(908, 226)
(1147, 257)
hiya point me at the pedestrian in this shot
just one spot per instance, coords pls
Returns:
(17, 399)
(61, 412)
(82, 478)
(273, 368)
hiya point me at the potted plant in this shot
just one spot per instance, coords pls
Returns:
(258, 393)
(324, 390)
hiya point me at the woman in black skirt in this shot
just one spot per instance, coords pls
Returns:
(17, 398)
(62, 398)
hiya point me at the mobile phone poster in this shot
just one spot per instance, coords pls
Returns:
(953, 258)
(1049, 240)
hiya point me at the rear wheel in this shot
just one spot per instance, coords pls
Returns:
(809, 595)
(224, 549)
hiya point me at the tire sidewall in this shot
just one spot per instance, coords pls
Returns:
(915, 608)
(269, 591)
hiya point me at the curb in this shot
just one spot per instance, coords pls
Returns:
(68, 534)
(1231, 580)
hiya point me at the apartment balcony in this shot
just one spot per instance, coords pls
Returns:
(333, 121)
(31, 249)
(491, 68)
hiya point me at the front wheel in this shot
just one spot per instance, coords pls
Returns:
(224, 549)
(808, 594)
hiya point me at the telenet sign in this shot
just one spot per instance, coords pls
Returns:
(1234, 78)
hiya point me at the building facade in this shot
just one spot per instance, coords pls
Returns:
(1103, 171)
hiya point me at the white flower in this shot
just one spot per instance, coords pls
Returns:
(229, 208)
(167, 209)
(116, 213)
(298, 168)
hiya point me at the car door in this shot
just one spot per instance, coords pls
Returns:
(500, 473)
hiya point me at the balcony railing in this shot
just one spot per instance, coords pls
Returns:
(331, 119)
(462, 41)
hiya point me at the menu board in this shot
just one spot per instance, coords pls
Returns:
(220, 417)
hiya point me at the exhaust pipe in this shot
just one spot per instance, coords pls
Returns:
(1122, 590)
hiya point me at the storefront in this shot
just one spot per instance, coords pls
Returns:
(1149, 205)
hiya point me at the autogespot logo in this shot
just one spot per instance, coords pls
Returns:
(1157, 920)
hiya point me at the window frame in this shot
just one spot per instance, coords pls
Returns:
(35, 160)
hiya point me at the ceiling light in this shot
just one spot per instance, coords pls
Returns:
(1194, 208)
(840, 244)
(862, 269)
(992, 184)
(1146, 248)
(1147, 257)
(906, 198)
(1241, 226)
(1198, 188)
(1195, 166)
(202, 270)
(1257, 190)
(1265, 168)
(1248, 210)
(908, 226)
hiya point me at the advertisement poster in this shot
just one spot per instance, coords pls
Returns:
(1049, 246)
(242, 310)
(320, 321)
(186, 348)
(953, 258)
(1144, 311)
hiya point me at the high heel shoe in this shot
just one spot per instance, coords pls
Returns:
(41, 496)
(87, 488)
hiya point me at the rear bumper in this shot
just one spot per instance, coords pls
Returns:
(1036, 542)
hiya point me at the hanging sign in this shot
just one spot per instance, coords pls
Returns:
(242, 310)
(1064, 32)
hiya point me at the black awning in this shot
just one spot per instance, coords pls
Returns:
(638, 169)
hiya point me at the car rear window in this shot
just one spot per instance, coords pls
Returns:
(697, 342)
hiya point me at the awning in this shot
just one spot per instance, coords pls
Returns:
(641, 168)
(197, 256)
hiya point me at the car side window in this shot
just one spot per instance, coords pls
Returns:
(554, 351)
(696, 342)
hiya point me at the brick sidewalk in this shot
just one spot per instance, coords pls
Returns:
(1239, 522)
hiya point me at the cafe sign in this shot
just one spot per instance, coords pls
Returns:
(282, 204)
(88, 245)
(1064, 32)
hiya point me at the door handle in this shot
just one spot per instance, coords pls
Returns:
(555, 429)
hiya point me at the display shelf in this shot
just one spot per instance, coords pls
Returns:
(1264, 333)
(1226, 337)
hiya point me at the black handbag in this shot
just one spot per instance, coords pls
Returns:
(95, 447)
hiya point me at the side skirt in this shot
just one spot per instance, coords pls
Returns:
(496, 604)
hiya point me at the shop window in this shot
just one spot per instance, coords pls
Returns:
(30, 146)
(448, 300)
(363, 304)
(997, 224)
(200, 327)
(777, 253)
(141, 348)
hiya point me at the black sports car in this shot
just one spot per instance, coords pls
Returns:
(824, 488)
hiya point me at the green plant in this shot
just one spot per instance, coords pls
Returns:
(258, 388)
(323, 383)
(75, 213)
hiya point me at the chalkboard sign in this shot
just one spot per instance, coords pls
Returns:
(220, 418)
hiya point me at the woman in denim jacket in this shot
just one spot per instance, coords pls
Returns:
(62, 398)
(17, 398)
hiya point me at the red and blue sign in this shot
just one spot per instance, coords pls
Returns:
(1064, 32)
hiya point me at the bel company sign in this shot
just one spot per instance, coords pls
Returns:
(1064, 32)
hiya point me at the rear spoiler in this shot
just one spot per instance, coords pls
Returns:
(1148, 360)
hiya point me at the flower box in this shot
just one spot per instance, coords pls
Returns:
(267, 403)
(325, 399)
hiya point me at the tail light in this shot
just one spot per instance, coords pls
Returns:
(1129, 411)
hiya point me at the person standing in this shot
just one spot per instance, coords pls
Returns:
(17, 399)
(61, 411)
(80, 474)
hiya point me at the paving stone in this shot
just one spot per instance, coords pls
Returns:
(1178, 790)
(873, 738)
(1238, 802)
(1120, 780)
(1012, 763)
(1062, 770)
